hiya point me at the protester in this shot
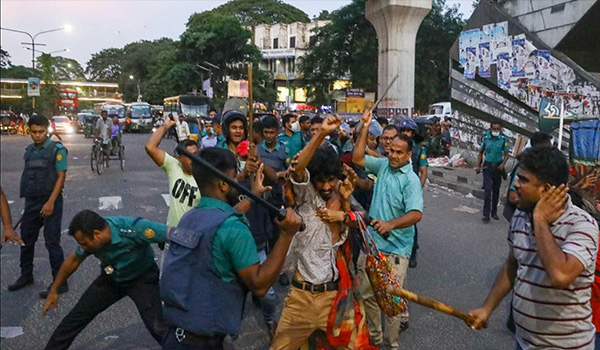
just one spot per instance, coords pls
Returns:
(397, 206)
(122, 244)
(42, 182)
(493, 154)
(419, 165)
(210, 140)
(182, 129)
(8, 233)
(387, 137)
(274, 155)
(383, 121)
(304, 122)
(212, 249)
(235, 130)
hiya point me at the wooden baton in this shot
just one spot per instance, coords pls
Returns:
(430, 303)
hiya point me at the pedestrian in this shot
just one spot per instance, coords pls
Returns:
(493, 154)
(103, 130)
(8, 233)
(312, 257)
(419, 165)
(115, 135)
(42, 182)
(210, 140)
(274, 154)
(182, 129)
(213, 262)
(291, 136)
(397, 206)
(550, 265)
(183, 191)
(123, 246)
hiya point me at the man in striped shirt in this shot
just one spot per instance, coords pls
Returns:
(553, 247)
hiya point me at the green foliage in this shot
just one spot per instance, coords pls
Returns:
(105, 65)
(4, 59)
(46, 103)
(64, 68)
(347, 48)
(254, 12)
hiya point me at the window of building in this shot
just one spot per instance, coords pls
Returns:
(276, 43)
(292, 42)
(557, 8)
(311, 40)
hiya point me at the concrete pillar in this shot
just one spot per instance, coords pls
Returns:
(397, 23)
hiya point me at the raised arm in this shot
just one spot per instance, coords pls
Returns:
(330, 124)
(157, 154)
(358, 157)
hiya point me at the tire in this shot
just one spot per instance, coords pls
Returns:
(100, 160)
(122, 157)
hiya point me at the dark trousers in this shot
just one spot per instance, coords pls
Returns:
(188, 343)
(416, 244)
(492, 178)
(104, 292)
(30, 230)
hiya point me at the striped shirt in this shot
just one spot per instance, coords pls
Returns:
(549, 317)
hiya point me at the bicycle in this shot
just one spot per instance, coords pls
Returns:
(98, 158)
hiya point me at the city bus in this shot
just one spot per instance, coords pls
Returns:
(68, 102)
(116, 108)
(190, 105)
(139, 117)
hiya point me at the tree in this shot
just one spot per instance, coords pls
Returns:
(4, 59)
(46, 103)
(254, 12)
(105, 65)
(347, 48)
(64, 68)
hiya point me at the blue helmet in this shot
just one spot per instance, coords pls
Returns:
(408, 124)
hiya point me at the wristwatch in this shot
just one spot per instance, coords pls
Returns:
(242, 197)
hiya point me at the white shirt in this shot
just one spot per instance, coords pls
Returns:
(183, 131)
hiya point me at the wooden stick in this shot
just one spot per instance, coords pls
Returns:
(430, 303)
(384, 94)
(250, 103)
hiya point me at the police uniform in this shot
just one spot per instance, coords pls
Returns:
(42, 165)
(127, 269)
(493, 148)
(293, 144)
(418, 159)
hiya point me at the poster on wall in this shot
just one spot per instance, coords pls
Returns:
(463, 40)
(484, 60)
(471, 64)
(503, 70)
(498, 32)
(518, 58)
(542, 65)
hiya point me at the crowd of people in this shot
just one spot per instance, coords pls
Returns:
(220, 244)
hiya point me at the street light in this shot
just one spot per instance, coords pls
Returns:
(49, 53)
(33, 37)
(139, 97)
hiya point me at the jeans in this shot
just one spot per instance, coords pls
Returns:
(492, 178)
(104, 292)
(268, 303)
(597, 346)
(519, 347)
(30, 231)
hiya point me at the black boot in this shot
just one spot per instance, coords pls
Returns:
(21, 282)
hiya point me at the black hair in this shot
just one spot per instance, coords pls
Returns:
(87, 222)
(230, 119)
(286, 118)
(270, 122)
(541, 138)
(383, 120)
(324, 163)
(496, 122)
(303, 119)
(316, 120)
(390, 127)
(258, 127)
(38, 120)
(185, 144)
(406, 139)
(220, 158)
(212, 110)
(548, 164)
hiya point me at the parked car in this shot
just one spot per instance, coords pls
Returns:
(438, 110)
(8, 122)
(62, 125)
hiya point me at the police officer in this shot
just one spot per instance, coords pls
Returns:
(212, 261)
(419, 164)
(122, 244)
(493, 154)
(41, 185)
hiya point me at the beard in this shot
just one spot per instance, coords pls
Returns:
(232, 196)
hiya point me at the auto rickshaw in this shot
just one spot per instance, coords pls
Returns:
(89, 128)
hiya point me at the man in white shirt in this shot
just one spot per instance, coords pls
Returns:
(182, 128)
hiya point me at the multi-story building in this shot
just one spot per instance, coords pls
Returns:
(282, 47)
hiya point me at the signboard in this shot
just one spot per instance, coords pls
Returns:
(237, 88)
(355, 92)
(278, 53)
(33, 87)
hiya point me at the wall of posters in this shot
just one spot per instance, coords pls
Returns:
(471, 64)
(503, 70)
(518, 58)
(484, 60)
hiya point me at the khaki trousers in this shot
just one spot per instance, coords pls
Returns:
(387, 339)
(303, 313)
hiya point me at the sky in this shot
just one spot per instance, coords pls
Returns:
(96, 25)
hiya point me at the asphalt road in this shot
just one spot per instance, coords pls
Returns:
(458, 259)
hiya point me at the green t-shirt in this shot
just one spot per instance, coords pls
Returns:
(129, 253)
(183, 191)
(233, 247)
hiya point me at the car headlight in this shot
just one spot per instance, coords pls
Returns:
(69, 129)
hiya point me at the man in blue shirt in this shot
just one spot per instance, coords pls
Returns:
(493, 154)
(397, 206)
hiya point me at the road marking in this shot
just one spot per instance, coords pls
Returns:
(11, 202)
(11, 332)
(167, 199)
(465, 209)
(110, 203)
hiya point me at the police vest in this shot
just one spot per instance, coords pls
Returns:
(194, 295)
(39, 175)
(416, 153)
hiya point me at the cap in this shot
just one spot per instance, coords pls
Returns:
(408, 124)
(375, 128)
(346, 128)
(242, 148)
(216, 119)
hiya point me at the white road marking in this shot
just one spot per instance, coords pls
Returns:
(11, 332)
(110, 203)
(465, 209)
(167, 199)
(11, 202)
(75, 158)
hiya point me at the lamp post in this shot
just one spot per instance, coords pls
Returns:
(33, 37)
(137, 82)
(49, 53)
